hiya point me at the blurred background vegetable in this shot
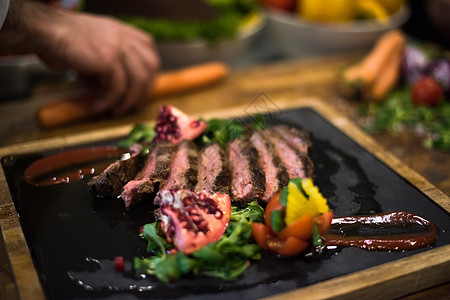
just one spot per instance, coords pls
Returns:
(337, 10)
(398, 113)
(232, 13)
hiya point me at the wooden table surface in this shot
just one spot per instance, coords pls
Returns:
(286, 80)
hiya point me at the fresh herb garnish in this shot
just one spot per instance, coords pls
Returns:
(431, 124)
(140, 134)
(277, 220)
(223, 131)
(226, 258)
(316, 237)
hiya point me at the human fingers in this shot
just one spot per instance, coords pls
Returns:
(138, 34)
(137, 80)
(141, 65)
(114, 86)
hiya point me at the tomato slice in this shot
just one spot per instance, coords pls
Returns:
(300, 229)
(273, 204)
(323, 222)
(260, 234)
(290, 247)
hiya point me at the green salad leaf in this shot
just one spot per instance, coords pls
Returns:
(227, 258)
(140, 134)
(431, 124)
(223, 131)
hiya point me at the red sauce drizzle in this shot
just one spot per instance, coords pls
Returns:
(393, 231)
(72, 165)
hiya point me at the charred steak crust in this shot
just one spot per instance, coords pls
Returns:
(163, 160)
(276, 174)
(155, 172)
(248, 179)
(214, 175)
(111, 181)
(184, 166)
(258, 177)
(223, 179)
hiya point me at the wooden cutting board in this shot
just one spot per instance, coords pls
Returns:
(389, 280)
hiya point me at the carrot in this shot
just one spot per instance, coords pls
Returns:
(78, 108)
(387, 80)
(66, 111)
(188, 78)
(361, 76)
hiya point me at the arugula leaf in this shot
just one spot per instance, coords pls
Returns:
(146, 265)
(253, 212)
(140, 134)
(223, 131)
(156, 243)
(277, 220)
(259, 122)
(283, 196)
(168, 270)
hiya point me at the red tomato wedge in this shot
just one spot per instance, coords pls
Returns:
(260, 234)
(273, 204)
(323, 222)
(290, 247)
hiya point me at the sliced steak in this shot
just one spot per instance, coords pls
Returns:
(248, 180)
(298, 139)
(183, 168)
(213, 172)
(275, 172)
(296, 162)
(155, 172)
(111, 181)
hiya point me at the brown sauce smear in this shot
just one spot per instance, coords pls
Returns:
(72, 165)
(394, 231)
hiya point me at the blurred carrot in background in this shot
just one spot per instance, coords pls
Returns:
(378, 72)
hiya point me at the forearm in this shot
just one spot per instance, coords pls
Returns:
(4, 5)
(26, 27)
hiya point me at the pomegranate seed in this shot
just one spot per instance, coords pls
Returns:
(119, 264)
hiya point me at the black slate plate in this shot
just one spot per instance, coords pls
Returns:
(74, 236)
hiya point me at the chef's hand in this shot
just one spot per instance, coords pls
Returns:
(120, 59)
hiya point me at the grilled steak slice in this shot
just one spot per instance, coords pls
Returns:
(275, 172)
(213, 173)
(298, 139)
(155, 171)
(248, 180)
(111, 181)
(183, 169)
(297, 163)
